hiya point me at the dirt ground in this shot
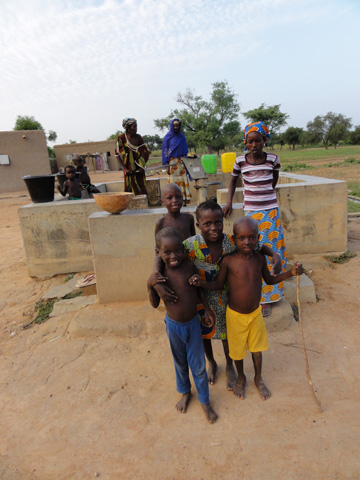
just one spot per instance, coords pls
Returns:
(102, 406)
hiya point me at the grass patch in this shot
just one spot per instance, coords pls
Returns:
(292, 167)
(295, 312)
(43, 308)
(354, 188)
(351, 161)
(353, 207)
(71, 295)
(343, 258)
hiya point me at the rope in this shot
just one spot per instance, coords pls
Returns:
(307, 370)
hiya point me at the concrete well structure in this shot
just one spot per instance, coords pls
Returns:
(314, 215)
(65, 236)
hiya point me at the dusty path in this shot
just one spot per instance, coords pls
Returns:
(103, 406)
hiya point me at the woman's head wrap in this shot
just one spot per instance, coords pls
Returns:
(259, 127)
(127, 122)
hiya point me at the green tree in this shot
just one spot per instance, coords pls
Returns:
(329, 128)
(114, 136)
(354, 137)
(26, 122)
(211, 123)
(154, 142)
(292, 136)
(270, 115)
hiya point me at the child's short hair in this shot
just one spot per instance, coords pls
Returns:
(249, 220)
(70, 167)
(166, 233)
(207, 205)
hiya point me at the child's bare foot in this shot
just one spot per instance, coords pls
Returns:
(183, 403)
(239, 390)
(212, 370)
(210, 415)
(231, 377)
(263, 390)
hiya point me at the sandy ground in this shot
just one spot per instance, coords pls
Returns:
(102, 406)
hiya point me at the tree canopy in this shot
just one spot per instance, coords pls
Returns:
(211, 123)
(293, 136)
(27, 122)
(331, 127)
(273, 118)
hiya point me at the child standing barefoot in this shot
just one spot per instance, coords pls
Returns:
(244, 270)
(182, 321)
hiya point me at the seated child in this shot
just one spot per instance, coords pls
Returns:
(84, 177)
(172, 199)
(182, 321)
(71, 185)
(244, 270)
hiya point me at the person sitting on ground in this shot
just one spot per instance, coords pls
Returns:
(244, 270)
(182, 321)
(84, 177)
(172, 199)
(71, 185)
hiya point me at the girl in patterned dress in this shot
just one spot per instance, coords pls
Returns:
(260, 173)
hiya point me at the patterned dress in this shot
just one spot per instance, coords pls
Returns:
(179, 176)
(260, 203)
(198, 252)
(134, 159)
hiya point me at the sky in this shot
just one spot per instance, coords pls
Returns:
(81, 66)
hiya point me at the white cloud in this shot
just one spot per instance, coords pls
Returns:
(80, 66)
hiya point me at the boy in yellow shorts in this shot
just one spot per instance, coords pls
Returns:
(244, 270)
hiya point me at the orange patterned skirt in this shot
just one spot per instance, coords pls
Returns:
(179, 176)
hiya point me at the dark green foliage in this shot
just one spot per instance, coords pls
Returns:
(330, 128)
(213, 124)
(271, 116)
(343, 258)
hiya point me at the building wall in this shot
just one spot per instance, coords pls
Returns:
(28, 156)
(107, 147)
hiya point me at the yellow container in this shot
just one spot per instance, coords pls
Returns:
(227, 161)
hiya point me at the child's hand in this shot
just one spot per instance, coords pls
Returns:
(165, 293)
(209, 318)
(276, 264)
(155, 278)
(195, 280)
(297, 269)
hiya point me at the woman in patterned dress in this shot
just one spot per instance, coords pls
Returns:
(174, 147)
(132, 154)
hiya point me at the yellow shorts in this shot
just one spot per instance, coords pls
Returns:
(245, 329)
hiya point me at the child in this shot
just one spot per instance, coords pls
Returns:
(260, 174)
(84, 177)
(182, 321)
(244, 270)
(71, 185)
(206, 250)
(172, 199)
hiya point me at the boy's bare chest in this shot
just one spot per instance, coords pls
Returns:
(245, 270)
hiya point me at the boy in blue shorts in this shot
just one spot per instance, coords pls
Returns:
(182, 320)
(244, 270)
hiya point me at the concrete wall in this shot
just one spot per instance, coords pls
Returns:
(313, 213)
(28, 156)
(107, 147)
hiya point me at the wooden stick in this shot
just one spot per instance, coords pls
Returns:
(307, 370)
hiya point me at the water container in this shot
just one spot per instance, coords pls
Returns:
(209, 163)
(227, 162)
(40, 187)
